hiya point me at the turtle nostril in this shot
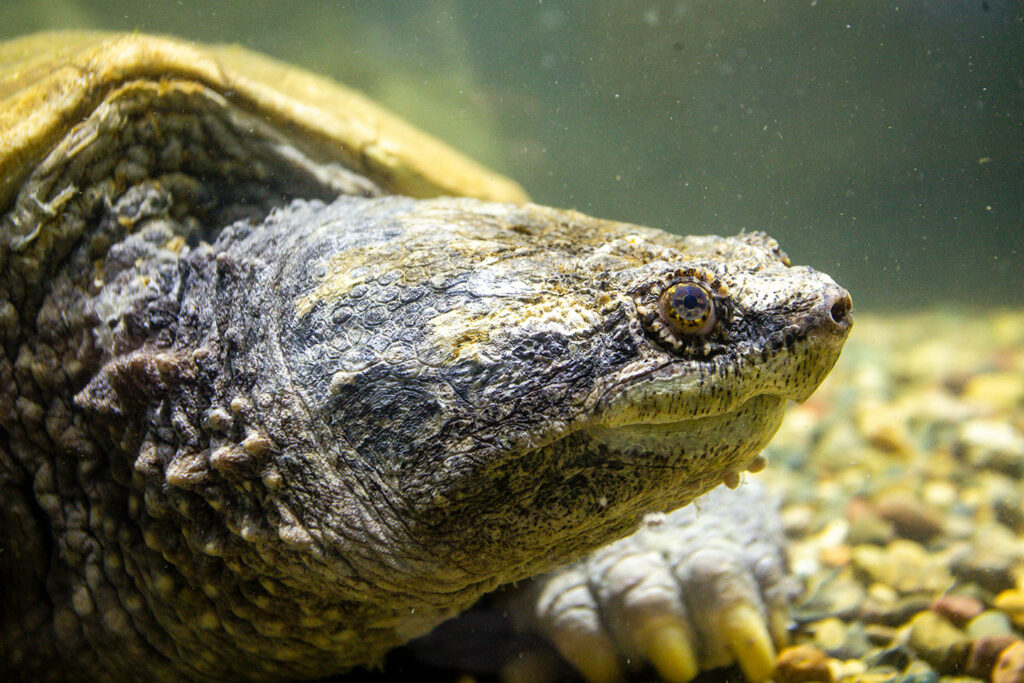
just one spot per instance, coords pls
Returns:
(841, 308)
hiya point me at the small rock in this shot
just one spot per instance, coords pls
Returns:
(878, 634)
(883, 594)
(1000, 389)
(958, 609)
(938, 642)
(1010, 512)
(873, 677)
(802, 664)
(797, 519)
(904, 565)
(829, 634)
(989, 623)
(991, 443)
(856, 644)
(1011, 602)
(894, 613)
(895, 657)
(939, 492)
(984, 654)
(838, 596)
(1009, 667)
(884, 428)
(839, 639)
(989, 566)
(866, 526)
(845, 670)
(838, 556)
(912, 518)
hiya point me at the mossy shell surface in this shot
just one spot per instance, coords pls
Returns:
(51, 81)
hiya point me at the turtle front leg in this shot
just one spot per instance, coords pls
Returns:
(703, 587)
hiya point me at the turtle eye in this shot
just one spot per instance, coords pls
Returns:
(688, 308)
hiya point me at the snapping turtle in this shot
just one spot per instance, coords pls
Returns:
(268, 410)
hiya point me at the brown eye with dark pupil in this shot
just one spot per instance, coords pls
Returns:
(688, 308)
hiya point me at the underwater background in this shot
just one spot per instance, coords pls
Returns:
(881, 142)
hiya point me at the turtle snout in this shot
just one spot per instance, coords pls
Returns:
(834, 310)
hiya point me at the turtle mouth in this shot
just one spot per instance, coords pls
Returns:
(678, 395)
(742, 430)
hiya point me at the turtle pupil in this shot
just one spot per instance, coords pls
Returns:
(689, 301)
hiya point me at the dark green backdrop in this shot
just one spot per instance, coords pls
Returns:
(882, 142)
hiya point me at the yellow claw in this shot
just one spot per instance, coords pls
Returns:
(593, 655)
(667, 646)
(600, 666)
(778, 626)
(749, 641)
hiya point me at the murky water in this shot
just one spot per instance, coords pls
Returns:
(882, 142)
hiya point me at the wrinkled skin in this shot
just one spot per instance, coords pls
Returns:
(282, 447)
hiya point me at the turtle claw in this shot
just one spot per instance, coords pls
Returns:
(778, 625)
(745, 631)
(592, 654)
(568, 613)
(667, 645)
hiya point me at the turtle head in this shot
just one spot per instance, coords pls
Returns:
(511, 386)
(430, 398)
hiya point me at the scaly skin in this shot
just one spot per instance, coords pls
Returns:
(282, 447)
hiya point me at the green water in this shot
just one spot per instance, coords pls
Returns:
(882, 142)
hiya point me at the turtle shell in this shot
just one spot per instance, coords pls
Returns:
(226, 134)
(51, 81)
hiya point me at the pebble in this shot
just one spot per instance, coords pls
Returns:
(840, 595)
(958, 609)
(836, 556)
(1001, 389)
(917, 677)
(894, 613)
(984, 654)
(1011, 602)
(1009, 667)
(989, 623)
(939, 493)
(885, 429)
(866, 525)
(839, 639)
(905, 565)
(1010, 511)
(938, 642)
(877, 634)
(802, 664)
(991, 443)
(845, 670)
(797, 519)
(829, 634)
(989, 565)
(873, 677)
(895, 657)
(911, 518)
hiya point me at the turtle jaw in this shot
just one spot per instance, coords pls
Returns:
(706, 449)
